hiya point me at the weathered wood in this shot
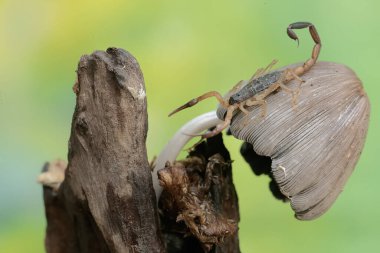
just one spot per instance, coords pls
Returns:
(59, 230)
(199, 205)
(107, 192)
(103, 200)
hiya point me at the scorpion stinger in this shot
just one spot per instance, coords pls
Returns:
(315, 53)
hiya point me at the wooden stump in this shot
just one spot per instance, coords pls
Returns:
(107, 197)
(103, 199)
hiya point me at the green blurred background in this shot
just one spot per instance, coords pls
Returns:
(184, 48)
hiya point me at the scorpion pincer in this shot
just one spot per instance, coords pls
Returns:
(262, 84)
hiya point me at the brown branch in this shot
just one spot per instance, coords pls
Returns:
(107, 199)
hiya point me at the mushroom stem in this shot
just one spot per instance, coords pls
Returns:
(179, 140)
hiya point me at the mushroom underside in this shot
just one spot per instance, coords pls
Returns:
(315, 144)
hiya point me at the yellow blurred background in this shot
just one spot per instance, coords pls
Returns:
(184, 48)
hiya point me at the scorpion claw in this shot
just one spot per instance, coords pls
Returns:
(200, 98)
(187, 105)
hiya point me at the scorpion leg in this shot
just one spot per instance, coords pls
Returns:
(257, 74)
(219, 128)
(270, 65)
(256, 101)
(295, 93)
(261, 71)
(295, 76)
(315, 53)
(241, 107)
(237, 86)
(245, 111)
(200, 98)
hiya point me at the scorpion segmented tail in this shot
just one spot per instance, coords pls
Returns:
(315, 53)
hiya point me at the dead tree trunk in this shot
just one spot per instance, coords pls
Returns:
(106, 201)
(107, 193)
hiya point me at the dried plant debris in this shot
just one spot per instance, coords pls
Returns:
(315, 144)
(199, 200)
(53, 174)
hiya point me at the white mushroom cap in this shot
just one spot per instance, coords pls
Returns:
(314, 146)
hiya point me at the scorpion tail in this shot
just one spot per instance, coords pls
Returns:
(317, 47)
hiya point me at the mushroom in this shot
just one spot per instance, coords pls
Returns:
(313, 144)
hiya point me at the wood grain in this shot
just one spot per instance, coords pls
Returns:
(107, 198)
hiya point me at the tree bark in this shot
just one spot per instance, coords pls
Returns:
(103, 200)
(199, 208)
(107, 193)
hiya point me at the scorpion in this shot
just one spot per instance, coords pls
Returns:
(261, 84)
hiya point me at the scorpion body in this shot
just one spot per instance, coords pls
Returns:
(254, 87)
(262, 84)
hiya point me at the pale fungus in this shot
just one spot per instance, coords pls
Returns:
(314, 145)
